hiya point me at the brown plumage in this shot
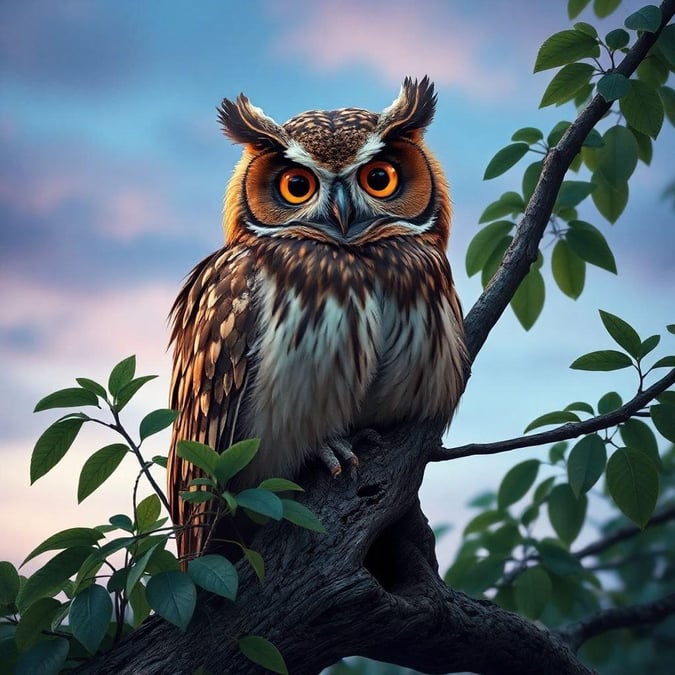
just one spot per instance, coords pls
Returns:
(331, 306)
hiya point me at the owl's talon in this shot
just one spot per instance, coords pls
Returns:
(335, 452)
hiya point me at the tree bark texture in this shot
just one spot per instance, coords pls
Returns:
(369, 587)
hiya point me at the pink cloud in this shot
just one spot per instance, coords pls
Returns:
(397, 39)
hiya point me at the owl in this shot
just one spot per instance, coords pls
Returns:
(330, 308)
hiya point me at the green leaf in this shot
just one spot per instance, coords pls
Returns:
(590, 245)
(557, 559)
(613, 86)
(622, 333)
(156, 421)
(215, 574)
(92, 386)
(609, 402)
(566, 83)
(137, 570)
(9, 583)
(517, 481)
(484, 243)
(533, 591)
(617, 39)
(67, 398)
(505, 159)
(121, 521)
(586, 463)
(90, 615)
(262, 652)
(280, 485)
(300, 515)
(665, 45)
(556, 454)
(264, 502)
(197, 496)
(668, 98)
(586, 28)
(665, 362)
(647, 18)
(235, 458)
(645, 146)
(581, 406)
(529, 135)
(73, 536)
(121, 374)
(127, 392)
(575, 7)
(604, 8)
(663, 416)
(636, 434)
(633, 483)
(572, 193)
(200, 455)
(52, 446)
(173, 596)
(671, 328)
(45, 658)
(649, 345)
(255, 560)
(566, 512)
(139, 605)
(643, 109)
(569, 270)
(531, 178)
(606, 359)
(98, 468)
(160, 460)
(49, 579)
(618, 157)
(653, 72)
(564, 47)
(36, 619)
(608, 199)
(147, 512)
(483, 521)
(528, 300)
(593, 139)
(510, 203)
(556, 417)
(482, 574)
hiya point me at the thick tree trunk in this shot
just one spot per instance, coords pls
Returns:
(370, 586)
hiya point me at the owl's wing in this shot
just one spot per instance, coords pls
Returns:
(213, 327)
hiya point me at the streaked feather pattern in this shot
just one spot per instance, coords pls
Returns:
(300, 332)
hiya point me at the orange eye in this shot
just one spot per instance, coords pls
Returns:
(297, 185)
(379, 179)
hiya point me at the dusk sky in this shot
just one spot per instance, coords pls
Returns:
(112, 172)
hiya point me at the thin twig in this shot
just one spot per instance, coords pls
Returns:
(562, 433)
(617, 617)
(659, 518)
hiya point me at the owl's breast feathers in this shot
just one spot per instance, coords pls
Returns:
(298, 341)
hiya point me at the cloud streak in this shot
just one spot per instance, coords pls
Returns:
(396, 39)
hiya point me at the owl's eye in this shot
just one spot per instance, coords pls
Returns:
(379, 179)
(297, 185)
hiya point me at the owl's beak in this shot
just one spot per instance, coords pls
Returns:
(341, 208)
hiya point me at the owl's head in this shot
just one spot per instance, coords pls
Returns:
(347, 176)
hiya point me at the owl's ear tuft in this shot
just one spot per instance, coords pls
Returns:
(247, 124)
(411, 113)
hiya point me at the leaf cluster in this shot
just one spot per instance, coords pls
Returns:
(609, 158)
(104, 581)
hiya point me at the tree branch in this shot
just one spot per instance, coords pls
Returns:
(523, 249)
(617, 617)
(562, 433)
(659, 518)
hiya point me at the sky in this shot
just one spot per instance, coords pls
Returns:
(113, 167)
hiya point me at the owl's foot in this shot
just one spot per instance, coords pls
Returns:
(335, 452)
